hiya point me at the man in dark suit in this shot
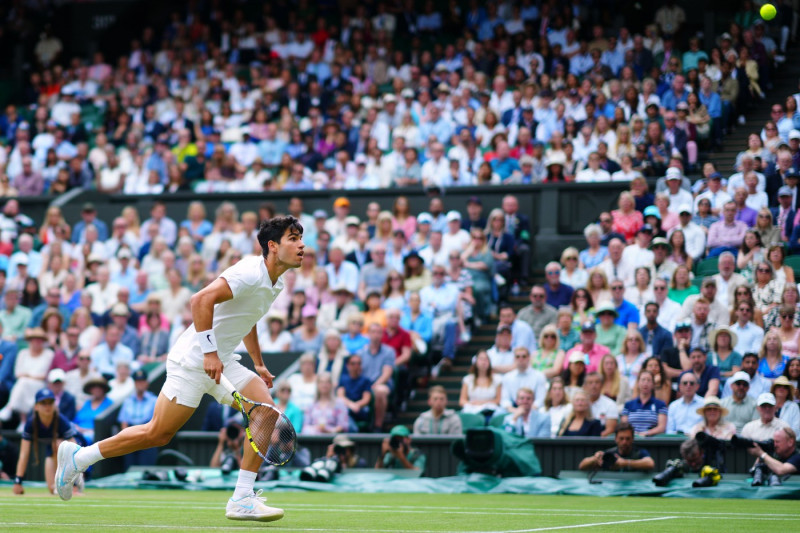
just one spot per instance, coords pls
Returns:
(360, 256)
(779, 177)
(298, 104)
(527, 120)
(642, 57)
(519, 226)
(783, 215)
(675, 136)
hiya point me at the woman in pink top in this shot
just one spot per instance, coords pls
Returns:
(402, 219)
(668, 220)
(627, 220)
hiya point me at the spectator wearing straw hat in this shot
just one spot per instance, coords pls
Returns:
(786, 408)
(30, 369)
(713, 422)
(97, 389)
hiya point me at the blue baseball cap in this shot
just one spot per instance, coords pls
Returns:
(45, 394)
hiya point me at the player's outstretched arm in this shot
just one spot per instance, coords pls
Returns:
(202, 305)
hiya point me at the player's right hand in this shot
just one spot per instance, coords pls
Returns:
(212, 366)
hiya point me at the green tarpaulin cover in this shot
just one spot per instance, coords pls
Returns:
(383, 482)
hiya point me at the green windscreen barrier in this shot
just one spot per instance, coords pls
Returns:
(389, 482)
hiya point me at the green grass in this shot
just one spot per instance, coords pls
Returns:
(108, 511)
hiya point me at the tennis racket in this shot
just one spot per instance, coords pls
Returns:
(270, 433)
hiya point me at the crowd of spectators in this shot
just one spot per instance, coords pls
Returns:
(630, 331)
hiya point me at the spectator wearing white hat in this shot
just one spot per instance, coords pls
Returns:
(677, 194)
(56, 381)
(455, 238)
(764, 427)
(740, 405)
(694, 236)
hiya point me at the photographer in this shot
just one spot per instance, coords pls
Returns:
(702, 454)
(344, 450)
(622, 457)
(785, 460)
(397, 453)
(228, 455)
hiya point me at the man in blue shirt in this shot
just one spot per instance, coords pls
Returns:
(525, 421)
(52, 299)
(89, 216)
(656, 337)
(138, 409)
(682, 413)
(353, 340)
(558, 294)
(713, 103)
(106, 355)
(377, 362)
(707, 376)
(355, 389)
(627, 313)
(504, 165)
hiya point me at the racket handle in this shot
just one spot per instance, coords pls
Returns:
(227, 384)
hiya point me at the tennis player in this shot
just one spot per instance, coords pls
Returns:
(224, 314)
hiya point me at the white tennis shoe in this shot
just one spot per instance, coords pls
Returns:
(252, 507)
(67, 471)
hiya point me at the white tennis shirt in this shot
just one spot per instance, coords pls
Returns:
(253, 294)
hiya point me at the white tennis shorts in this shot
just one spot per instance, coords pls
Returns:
(188, 384)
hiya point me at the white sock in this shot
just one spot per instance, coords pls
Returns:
(244, 485)
(88, 456)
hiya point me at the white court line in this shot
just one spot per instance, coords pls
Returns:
(494, 510)
(596, 524)
(420, 510)
(218, 528)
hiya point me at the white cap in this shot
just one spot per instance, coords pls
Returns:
(741, 375)
(453, 215)
(794, 134)
(361, 159)
(56, 374)
(766, 398)
(673, 173)
(684, 208)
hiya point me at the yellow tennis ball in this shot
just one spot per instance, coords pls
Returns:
(768, 12)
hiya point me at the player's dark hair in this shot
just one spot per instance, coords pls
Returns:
(273, 229)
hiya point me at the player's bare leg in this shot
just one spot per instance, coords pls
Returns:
(168, 418)
(245, 504)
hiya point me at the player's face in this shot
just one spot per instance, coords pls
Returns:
(290, 248)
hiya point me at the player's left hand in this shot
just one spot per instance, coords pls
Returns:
(265, 374)
(17, 489)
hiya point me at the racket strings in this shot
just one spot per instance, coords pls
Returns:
(272, 434)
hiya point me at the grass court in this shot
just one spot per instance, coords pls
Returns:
(184, 510)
